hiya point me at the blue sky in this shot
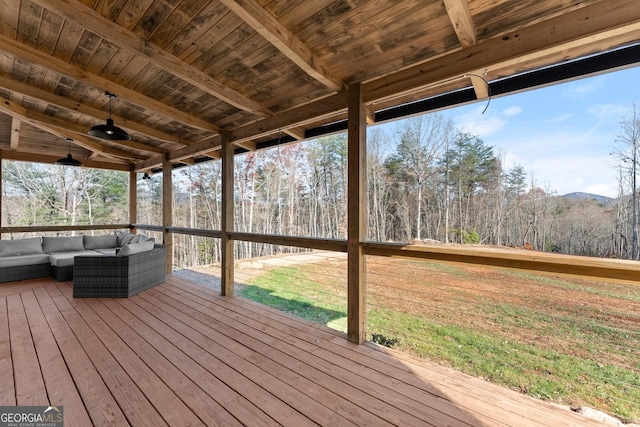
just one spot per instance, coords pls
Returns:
(563, 134)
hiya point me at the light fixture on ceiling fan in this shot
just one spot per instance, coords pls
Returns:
(109, 131)
(69, 160)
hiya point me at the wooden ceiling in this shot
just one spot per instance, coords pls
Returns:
(185, 70)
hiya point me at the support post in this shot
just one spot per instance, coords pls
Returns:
(1, 192)
(167, 208)
(228, 257)
(356, 212)
(133, 199)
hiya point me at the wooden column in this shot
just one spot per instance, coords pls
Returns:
(356, 211)
(228, 257)
(133, 199)
(1, 192)
(167, 208)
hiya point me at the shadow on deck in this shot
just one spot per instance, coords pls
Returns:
(179, 354)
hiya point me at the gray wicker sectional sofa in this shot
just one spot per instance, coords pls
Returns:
(124, 263)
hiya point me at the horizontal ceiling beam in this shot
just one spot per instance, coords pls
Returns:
(202, 147)
(44, 158)
(460, 16)
(51, 126)
(592, 25)
(42, 59)
(284, 40)
(72, 105)
(88, 18)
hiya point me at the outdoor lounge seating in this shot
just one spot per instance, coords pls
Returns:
(119, 276)
(124, 263)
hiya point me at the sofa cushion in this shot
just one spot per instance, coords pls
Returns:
(108, 251)
(136, 248)
(100, 242)
(124, 238)
(65, 259)
(62, 244)
(17, 247)
(20, 260)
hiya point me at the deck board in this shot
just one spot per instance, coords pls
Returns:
(181, 355)
(98, 400)
(57, 379)
(8, 390)
(29, 386)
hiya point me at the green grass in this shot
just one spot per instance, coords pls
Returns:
(583, 369)
(289, 289)
(537, 372)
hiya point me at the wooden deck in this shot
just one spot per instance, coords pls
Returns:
(181, 355)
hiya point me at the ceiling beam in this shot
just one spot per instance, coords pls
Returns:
(80, 135)
(248, 145)
(332, 106)
(460, 16)
(335, 105)
(216, 155)
(205, 146)
(284, 40)
(42, 59)
(15, 133)
(70, 104)
(480, 85)
(295, 132)
(590, 25)
(43, 122)
(44, 158)
(126, 39)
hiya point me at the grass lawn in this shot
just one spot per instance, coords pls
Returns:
(569, 341)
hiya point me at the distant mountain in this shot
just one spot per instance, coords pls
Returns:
(588, 196)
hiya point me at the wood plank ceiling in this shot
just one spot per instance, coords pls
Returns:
(185, 70)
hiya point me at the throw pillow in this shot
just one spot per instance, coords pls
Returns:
(100, 242)
(62, 244)
(30, 246)
(135, 248)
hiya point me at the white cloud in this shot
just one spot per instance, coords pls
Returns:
(608, 111)
(480, 124)
(581, 89)
(561, 118)
(512, 111)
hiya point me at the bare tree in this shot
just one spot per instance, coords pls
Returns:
(626, 154)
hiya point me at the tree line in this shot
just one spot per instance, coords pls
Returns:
(428, 181)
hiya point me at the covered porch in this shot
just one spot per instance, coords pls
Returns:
(206, 81)
(180, 355)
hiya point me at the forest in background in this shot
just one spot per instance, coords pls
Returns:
(427, 181)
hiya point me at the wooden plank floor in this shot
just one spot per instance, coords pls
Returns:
(181, 355)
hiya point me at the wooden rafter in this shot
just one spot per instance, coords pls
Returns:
(39, 121)
(70, 104)
(204, 146)
(282, 39)
(80, 132)
(295, 132)
(248, 145)
(15, 132)
(480, 85)
(597, 22)
(90, 162)
(42, 59)
(128, 40)
(327, 107)
(460, 16)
